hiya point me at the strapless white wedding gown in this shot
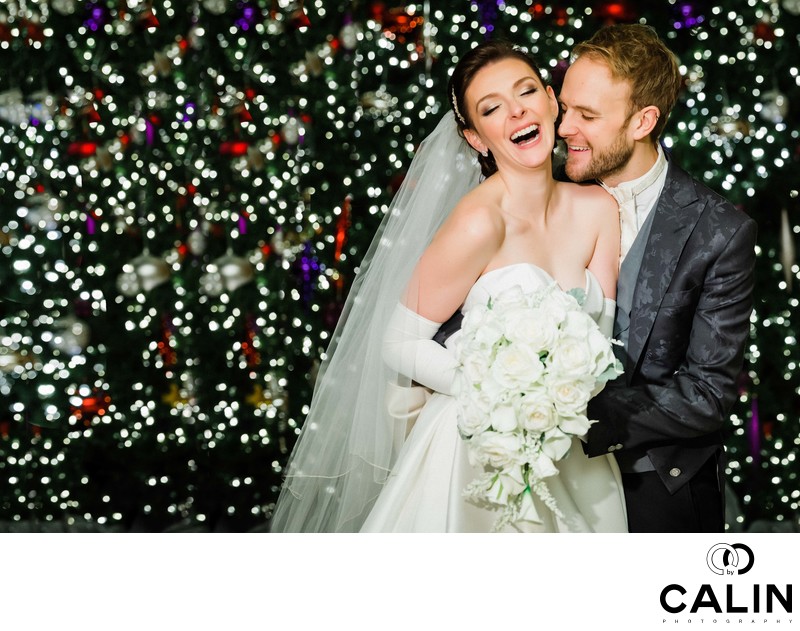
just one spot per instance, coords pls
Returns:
(424, 490)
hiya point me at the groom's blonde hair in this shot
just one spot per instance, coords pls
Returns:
(634, 53)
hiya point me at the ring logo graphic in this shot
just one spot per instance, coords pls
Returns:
(727, 594)
(728, 559)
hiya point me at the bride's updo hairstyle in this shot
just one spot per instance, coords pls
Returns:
(468, 66)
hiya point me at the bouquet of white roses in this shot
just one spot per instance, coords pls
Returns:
(529, 363)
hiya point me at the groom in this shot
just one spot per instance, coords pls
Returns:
(684, 294)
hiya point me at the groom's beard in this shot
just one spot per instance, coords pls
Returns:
(603, 164)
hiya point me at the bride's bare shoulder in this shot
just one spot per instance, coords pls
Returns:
(479, 210)
(590, 199)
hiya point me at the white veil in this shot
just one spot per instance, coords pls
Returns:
(349, 440)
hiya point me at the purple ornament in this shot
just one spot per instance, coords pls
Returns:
(488, 13)
(150, 131)
(687, 15)
(190, 110)
(250, 15)
(307, 268)
(96, 16)
(754, 431)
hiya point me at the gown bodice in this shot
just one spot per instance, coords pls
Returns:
(528, 277)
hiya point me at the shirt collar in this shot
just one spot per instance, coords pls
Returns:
(629, 190)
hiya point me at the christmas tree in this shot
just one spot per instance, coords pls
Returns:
(187, 190)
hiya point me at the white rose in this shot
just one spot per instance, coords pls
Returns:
(472, 421)
(488, 334)
(496, 450)
(516, 365)
(556, 304)
(490, 391)
(571, 357)
(578, 324)
(537, 413)
(474, 318)
(510, 298)
(570, 395)
(504, 418)
(474, 366)
(531, 328)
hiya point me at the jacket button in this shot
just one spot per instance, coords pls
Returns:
(675, 472)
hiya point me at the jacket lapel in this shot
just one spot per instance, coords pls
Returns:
(676, 214)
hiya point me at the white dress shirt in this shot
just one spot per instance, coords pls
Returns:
(637, 199)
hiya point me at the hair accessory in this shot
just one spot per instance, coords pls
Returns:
(455, 108)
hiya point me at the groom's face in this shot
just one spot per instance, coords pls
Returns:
(595, 123)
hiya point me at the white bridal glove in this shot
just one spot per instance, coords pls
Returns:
(408, 348)
(606, 319)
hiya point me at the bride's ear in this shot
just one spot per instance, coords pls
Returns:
(554, 108)
(475, 141)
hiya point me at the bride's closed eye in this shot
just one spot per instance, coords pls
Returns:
(527, 91)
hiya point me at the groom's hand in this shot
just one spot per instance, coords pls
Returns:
(448, 328)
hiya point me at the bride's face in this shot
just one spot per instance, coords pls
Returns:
(512, 112)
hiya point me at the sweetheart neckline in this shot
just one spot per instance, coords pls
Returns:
(543, 271)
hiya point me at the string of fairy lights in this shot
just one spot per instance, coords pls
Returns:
(187, 190)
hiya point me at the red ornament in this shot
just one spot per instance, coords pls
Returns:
(377, 10)
(148, 19)
(249, 350)
(400, 25)
(91, 406)
(243, 113)
(298, 20)
(616, 11)
(342, 224)
(91, 114)
(764, 32)
(34, 32)
(558, 15)
(538, 11)
(165, 348)
(5, 33)
(233, 148)
(82, 148)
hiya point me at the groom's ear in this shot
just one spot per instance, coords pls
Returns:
(474, 140)
(644, 121)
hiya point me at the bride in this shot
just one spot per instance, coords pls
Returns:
(380, 449)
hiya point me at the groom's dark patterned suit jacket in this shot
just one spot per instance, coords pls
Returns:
(689, 324)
